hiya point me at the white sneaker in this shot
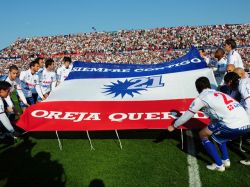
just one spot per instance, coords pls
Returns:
(226, 163)
(214, 167)
(245, 162)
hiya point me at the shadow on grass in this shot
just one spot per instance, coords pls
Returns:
(123, 134)
(157, 135)
(96, 183)
(202, 155)
(19, 168)
(244, 151)
(196, 151)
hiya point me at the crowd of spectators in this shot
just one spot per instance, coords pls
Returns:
(146, 46)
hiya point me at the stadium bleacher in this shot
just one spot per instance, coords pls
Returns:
(126, 46)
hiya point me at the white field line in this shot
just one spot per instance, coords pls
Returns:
(193, 167)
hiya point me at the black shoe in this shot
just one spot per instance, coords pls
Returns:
(8, 138)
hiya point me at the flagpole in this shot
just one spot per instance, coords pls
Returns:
(118, 139)
(240, 145)
(91, 146)
(59, 142)
(182, 139)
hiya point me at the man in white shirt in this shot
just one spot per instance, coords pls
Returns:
(30, 84)
(40, 61)
(64, 70)
(47, 78)
(233, 56)
(229, 120)
(15, 85)
(204, 56)
(222, 87)
(220, 66)
(4, 120)
(237, 81)
(241, 72)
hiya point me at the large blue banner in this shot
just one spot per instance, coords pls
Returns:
(190, 61)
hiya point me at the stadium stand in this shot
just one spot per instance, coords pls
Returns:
(126, 46)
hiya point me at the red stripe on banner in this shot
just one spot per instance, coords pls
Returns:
(106, 115)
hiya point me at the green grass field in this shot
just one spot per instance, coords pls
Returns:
(38, 161)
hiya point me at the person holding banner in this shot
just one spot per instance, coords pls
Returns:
(30, 85)
(40, 61)
(222, 87)
(233, 56)
(4, 120)
(15, 85)
(63, 71)
(204, 56)
(229, 120)
(220, 65)
(238, 82)
(47, 78)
